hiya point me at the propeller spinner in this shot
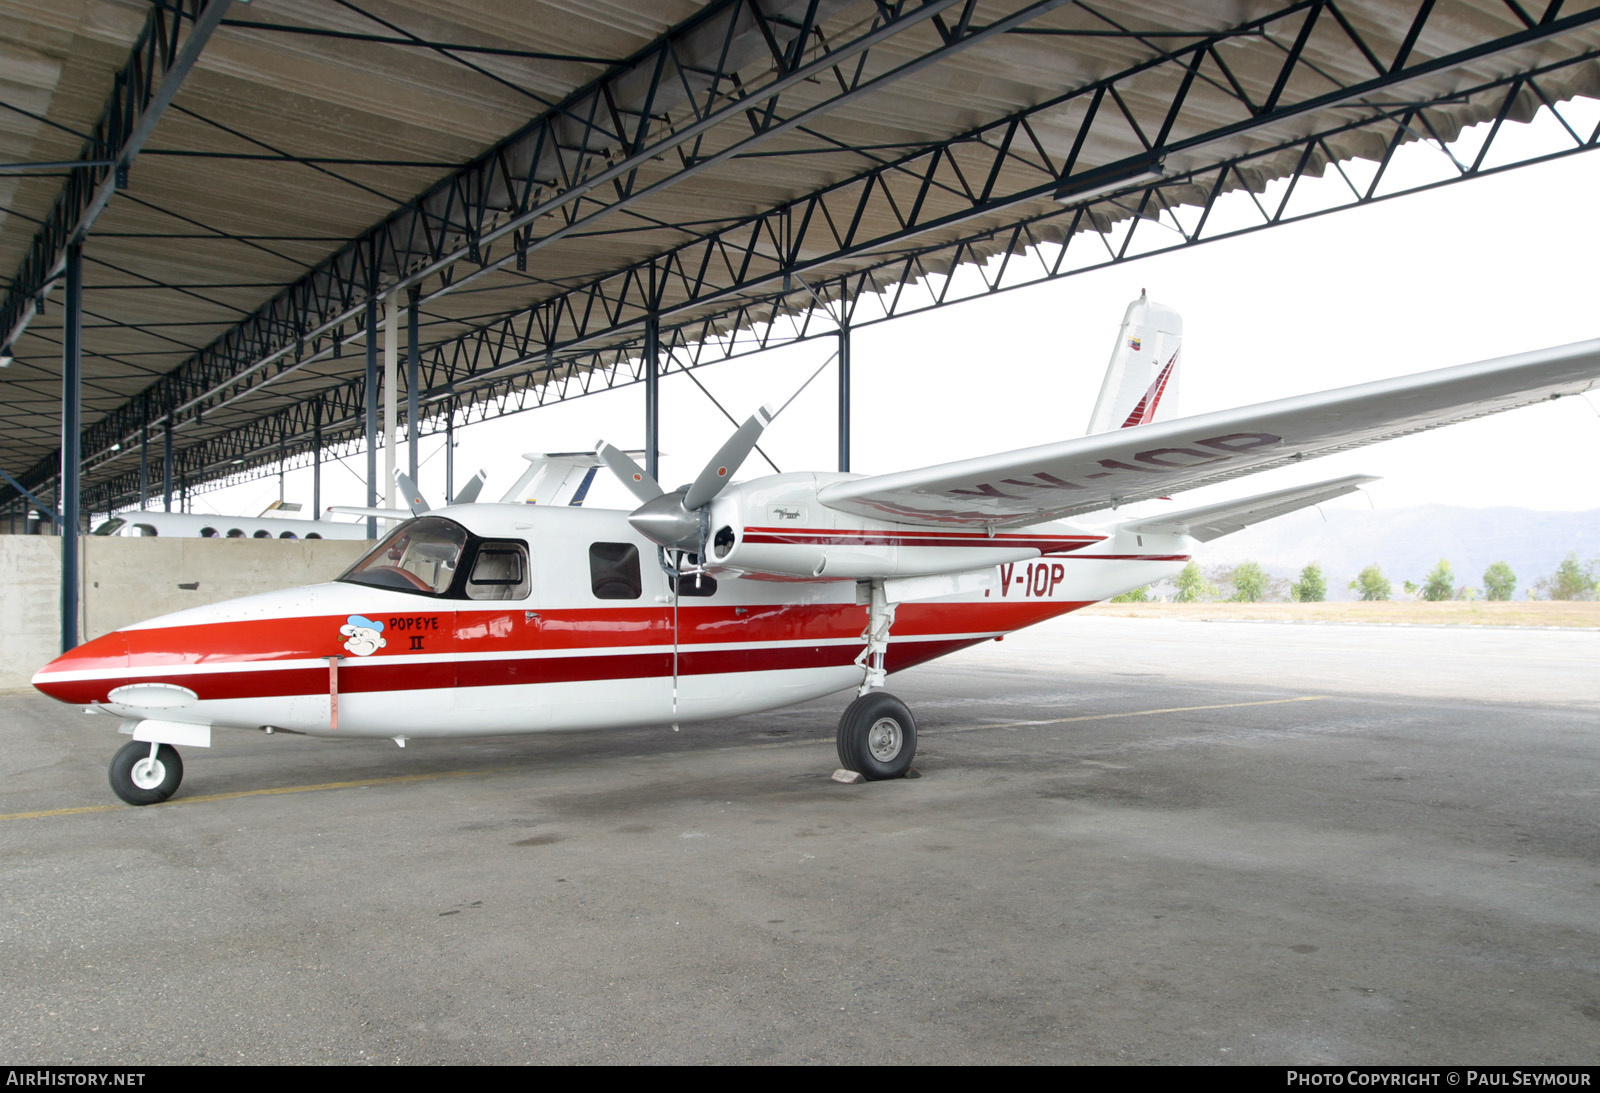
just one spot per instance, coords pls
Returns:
(673, 519)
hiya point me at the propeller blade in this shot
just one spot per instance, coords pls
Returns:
(469, 492)
(633, 476)
(413, 496)
(725, 464)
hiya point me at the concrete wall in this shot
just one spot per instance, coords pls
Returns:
(30, 605)
(129, 580)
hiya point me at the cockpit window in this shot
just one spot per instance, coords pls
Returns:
(110, 526)
(419, 556)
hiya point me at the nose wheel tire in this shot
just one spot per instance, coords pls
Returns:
(877, 736)
(142, 778)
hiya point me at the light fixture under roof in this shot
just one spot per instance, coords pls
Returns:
(1113, 176)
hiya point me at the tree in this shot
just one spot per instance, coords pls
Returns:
(1440, 583)
(1499, 582)
(1372, 584)
(1571, 581)
(1133, 595)
(1311, 587)
(1249, 582)
(1193, 586)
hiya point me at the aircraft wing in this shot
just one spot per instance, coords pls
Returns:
(1092, 473)
(1214, 521)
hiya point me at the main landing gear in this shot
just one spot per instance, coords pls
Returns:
(145, 773)
(877, 737)
(877, 734)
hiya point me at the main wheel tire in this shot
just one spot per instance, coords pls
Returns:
(140, 780)
(877, 736)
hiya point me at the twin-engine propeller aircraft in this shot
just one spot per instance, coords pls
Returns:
(552, 478)
(725, 598)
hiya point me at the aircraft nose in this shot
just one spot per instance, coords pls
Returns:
(87, 673)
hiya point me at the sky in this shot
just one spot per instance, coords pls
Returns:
(1467, 272)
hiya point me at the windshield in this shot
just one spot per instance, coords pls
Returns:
(418, 556)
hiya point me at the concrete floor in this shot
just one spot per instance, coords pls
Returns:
(1130, 841)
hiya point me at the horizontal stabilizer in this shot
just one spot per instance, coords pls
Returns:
(381, 514)
(1214, 521)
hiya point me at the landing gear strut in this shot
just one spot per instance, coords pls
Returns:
(877, 734)
(145, 773)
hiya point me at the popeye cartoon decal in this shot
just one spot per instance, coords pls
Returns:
(364, 635)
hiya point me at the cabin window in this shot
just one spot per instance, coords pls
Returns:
(286, 535)
(499, 572)
(208, 533)
(419, 556)
(236, 533)
(614, 571)
(145, 530)
(263, 534)
(312, 535)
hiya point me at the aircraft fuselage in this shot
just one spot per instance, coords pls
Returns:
(577, 627)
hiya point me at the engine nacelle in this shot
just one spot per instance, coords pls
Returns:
(776, 527)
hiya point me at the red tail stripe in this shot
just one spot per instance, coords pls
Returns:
(1145, 410)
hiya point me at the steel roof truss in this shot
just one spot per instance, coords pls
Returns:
(166, 49)
(696, 343)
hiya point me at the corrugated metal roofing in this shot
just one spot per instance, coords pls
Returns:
(306, 122)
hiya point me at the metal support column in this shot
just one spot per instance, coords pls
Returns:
(71, 439)
(372, 411)
(413, 363)
(652, 396)
(450, 453)
(166, 462)
(144, 467)
(844, 396)
(316, 460)
(391, 381)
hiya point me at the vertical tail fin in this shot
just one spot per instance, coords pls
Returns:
(1142, 380)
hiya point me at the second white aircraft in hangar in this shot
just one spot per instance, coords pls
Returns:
(724, 598)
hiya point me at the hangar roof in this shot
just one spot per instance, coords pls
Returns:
(542, 177)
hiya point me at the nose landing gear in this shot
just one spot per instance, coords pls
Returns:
(145, 773)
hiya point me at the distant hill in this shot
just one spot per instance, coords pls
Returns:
(1407, 543)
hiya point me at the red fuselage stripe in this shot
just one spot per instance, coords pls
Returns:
(369, 676)
(826, 537)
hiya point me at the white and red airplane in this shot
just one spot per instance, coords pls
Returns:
(724, 598)
(552, 478)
